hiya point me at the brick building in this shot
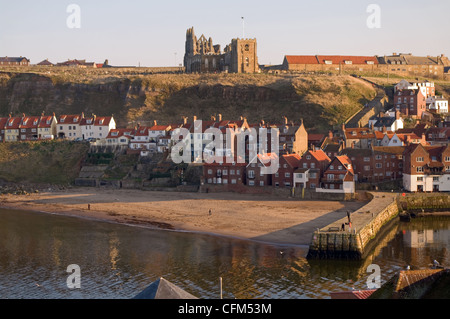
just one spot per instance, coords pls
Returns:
(224, 173)
(339, 175)
(288, 163)
(378, 164)
(410, 102)
(306, 63)
(254, 175)
(311, 167)
(14, 61)
(426, 168)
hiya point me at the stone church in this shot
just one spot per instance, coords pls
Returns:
(202, 56)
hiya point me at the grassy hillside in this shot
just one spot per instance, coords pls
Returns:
(137, 95)
(53, 162)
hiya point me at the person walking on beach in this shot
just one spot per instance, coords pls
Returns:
(210, 212)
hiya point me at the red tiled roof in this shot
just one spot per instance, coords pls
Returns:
(13, 123)
(29, 122)
(70, 119)
(120, 132)
(336, 59)
(292, 159)
(320, 155)
(142, 131)
(159, 127)
(360, 133)
(102, 120)
(302, 59)
(3, 121)
(345, 160)
(315, 137)
(44, 120)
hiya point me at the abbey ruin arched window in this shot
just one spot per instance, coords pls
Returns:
(214, 63)
(206, 63)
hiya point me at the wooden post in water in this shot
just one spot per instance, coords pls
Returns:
(220, 280)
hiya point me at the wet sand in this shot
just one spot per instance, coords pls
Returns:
(270, 219)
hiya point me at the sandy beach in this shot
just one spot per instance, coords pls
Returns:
(256, 217)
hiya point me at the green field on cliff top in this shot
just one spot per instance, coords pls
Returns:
(137, 95)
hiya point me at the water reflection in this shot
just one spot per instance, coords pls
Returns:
(119, 261)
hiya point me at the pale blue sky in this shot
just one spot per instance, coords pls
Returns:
(152, 33)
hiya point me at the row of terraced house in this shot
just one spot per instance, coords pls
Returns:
(48, 127)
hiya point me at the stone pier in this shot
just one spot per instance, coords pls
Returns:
(344, 240)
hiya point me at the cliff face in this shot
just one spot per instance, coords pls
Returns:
(133, 98)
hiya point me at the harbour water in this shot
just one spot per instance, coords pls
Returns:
(119, 261)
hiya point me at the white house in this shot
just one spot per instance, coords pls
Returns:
(158, 130)
(427, 88)
(119, 137)
(437, 104)
(391, 140)
(97, 127)
(69, 126)
(141, 139)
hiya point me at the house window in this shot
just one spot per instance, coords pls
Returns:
(287, 174)
(420, 169)
(378, 157)
(330, 177)
(313, 165)
(420, 178)
(419, 159)
(312, 185)
(251, 183)
(225, 172)
(308, 157)
(305, 165)
(435, 178)
(261, 183)
(331, 167)
(251, 174)
(233, 181)
(447, 158)
(299, 175)
(210, 171)
(366, 159)
(378, 165)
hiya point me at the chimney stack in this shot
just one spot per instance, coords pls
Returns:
(155, 123)
(185, 120)
(220, 117)
(285, 120)
(195, 118)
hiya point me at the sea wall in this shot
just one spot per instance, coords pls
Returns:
(352, 243)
